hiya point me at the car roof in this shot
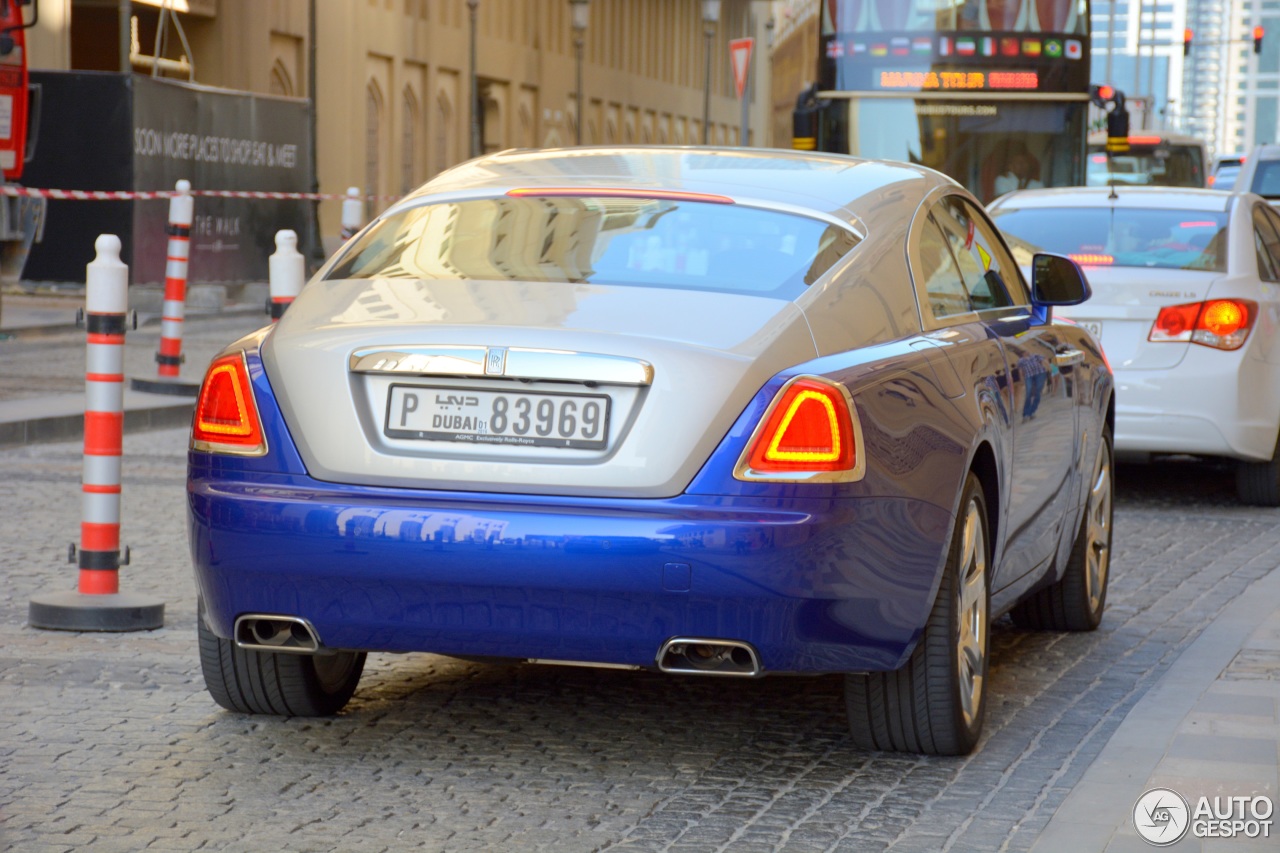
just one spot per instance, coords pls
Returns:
(828, 183)
(1176, 198)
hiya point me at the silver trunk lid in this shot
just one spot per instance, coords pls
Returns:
(1125, 304)
(673, 368)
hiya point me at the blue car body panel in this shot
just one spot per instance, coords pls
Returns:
(819, 578)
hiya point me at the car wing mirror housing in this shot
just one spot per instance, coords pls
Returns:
(1056, 280)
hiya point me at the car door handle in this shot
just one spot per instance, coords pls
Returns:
(1068, 357)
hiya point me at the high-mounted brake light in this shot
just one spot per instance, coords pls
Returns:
(1218, 323)
(809, 433)
(226, 418)
(617, 192)
(1092, 259)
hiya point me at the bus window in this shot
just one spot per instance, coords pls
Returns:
(1162, 163)
(991, 148)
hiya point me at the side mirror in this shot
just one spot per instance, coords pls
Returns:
(1056, 280)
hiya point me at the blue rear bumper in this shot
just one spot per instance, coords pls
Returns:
(815, 585)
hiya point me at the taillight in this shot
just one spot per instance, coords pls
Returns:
(809, 433)
(1218, 323)
(226, 418)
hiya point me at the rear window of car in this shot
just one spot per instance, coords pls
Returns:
(1124, 237)
(1266, 179)
(691, 245)
(1225, 177)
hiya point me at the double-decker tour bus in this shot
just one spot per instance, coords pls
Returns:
(994, 93)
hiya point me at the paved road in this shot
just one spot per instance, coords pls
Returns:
(111, 743)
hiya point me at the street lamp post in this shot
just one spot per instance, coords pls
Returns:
(710, 15)
(581, 14)
(475, 84)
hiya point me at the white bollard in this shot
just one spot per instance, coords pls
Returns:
(286, 273)
(352, 213)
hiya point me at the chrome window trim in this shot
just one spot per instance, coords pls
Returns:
(505, 362)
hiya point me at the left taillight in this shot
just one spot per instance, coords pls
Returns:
(810, 433)
(1218, 323)
(226, 417)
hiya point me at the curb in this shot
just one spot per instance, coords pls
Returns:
(71, 427)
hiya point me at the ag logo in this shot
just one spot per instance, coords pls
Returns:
(1161, 817)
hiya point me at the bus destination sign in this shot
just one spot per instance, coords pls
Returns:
(938, 62)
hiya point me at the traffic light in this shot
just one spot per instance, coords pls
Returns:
(1118, 127)
(1258, 33)
(1186, 41)
(1101, 95)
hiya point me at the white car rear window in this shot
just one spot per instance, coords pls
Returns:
(1122, 237)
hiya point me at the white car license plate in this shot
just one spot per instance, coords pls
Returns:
(1094, 327)
(490, 417)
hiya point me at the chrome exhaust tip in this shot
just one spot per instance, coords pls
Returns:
(265, 633)
(702, 656)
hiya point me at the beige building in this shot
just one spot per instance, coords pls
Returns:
(393, 82)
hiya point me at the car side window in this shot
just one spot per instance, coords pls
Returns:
(1266, 245)
(1273, 219)
(943, 285)
(992, 251)
(989, 273)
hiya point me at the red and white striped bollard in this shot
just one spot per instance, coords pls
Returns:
(97, 604)
(173, 314)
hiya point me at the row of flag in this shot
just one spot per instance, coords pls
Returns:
(1011, 46)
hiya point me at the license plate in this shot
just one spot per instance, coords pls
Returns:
(490, 417)
(1094, 327)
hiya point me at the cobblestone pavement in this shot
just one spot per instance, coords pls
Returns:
(111, 742)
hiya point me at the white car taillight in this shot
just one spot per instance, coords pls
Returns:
(1219, 323)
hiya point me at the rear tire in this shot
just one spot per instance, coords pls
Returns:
(1258, 483)
(935, 703)
(290, 685)
(1076, 602)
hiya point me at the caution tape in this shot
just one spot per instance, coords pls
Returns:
(130, 195)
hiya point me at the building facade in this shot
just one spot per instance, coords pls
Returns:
(392, 77)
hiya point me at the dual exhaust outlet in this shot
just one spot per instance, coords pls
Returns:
(702, 656)
(276, 634)
(679, 655)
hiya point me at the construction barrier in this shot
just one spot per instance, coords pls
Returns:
(286, 273)
(97, 604)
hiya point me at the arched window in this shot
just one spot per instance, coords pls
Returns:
(372, 144)
(281, 83)
(409, 143)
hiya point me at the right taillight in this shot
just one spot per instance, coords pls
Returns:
(226, 418)
(1218, 323)
(809, 433)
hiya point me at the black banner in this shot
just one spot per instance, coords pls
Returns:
(82, 143)
(102, 131)
(217, 140)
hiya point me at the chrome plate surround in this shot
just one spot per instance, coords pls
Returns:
(473, 416)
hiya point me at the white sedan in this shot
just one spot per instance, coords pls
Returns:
(1186, 304)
